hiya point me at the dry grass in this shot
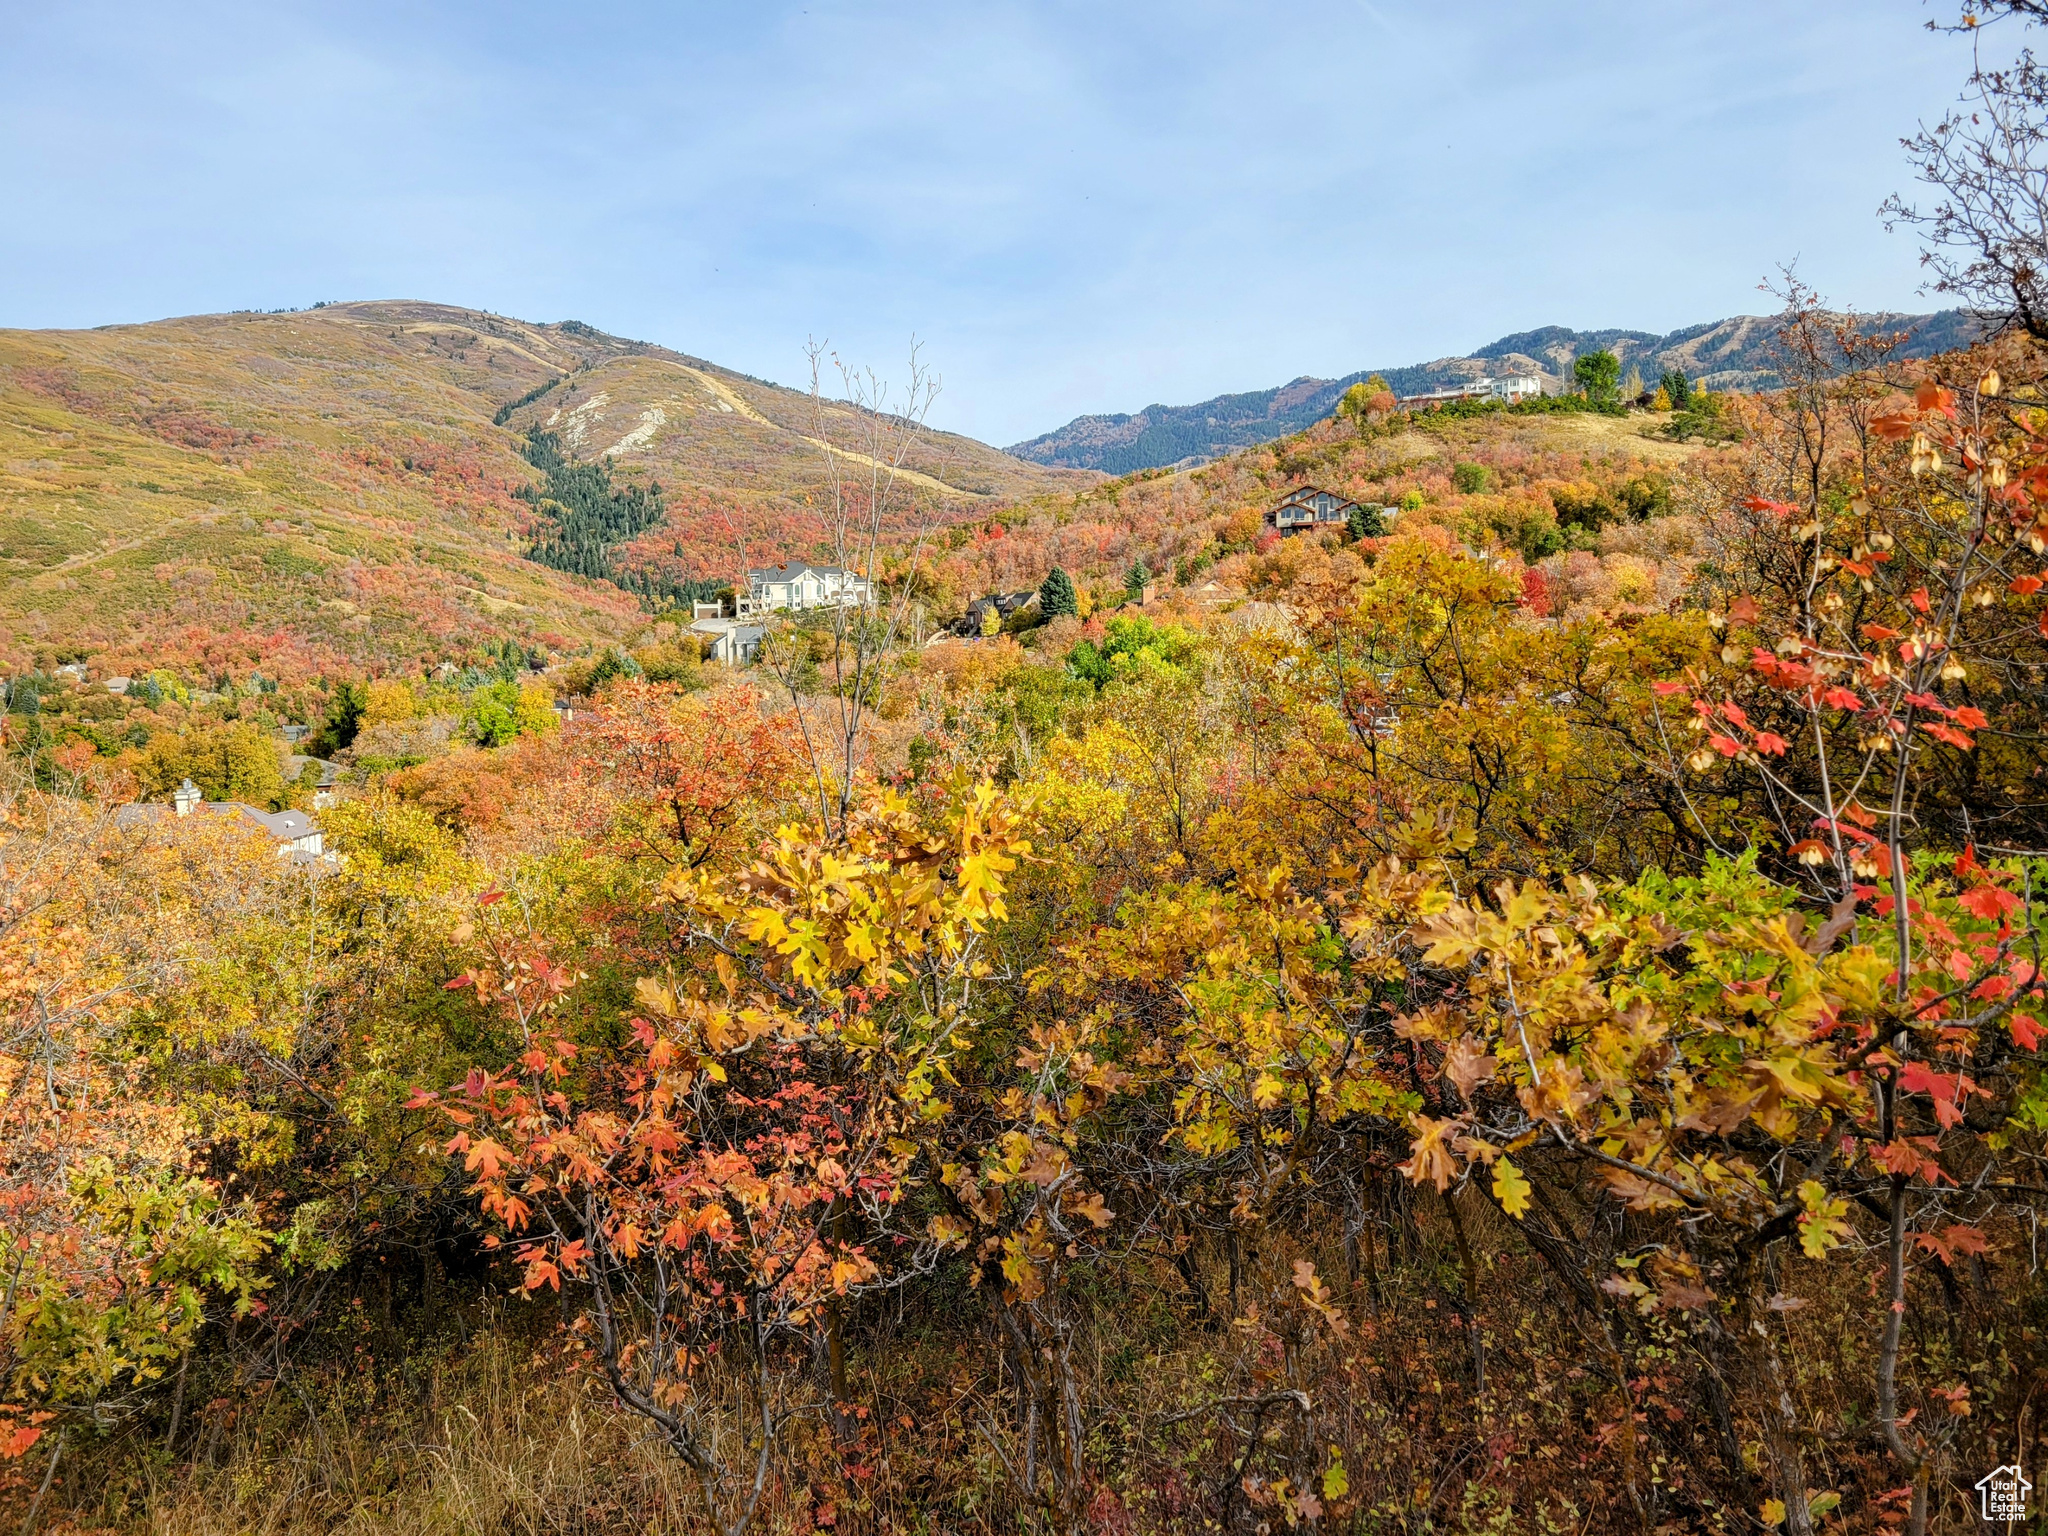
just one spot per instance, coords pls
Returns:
(502, 1436)
(1588, 432)
(494, 1446)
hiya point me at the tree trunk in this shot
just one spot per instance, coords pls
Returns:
(1467, 1292)
(1781, 1435)
(1915, 1460)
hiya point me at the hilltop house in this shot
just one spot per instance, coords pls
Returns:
(1509, 387)
(797, 587)
(1309, 508)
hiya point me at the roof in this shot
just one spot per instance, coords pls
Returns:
(283, 826)
(295, 765)
(795, 569)
(1309, 493)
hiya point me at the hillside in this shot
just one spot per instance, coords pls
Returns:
(1549, 486)
(1279, 900)
(339, 484)
(1723, 354)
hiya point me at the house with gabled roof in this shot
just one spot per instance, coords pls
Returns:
(730, 641)
(1308, 508)
(797, 586)
(295, 834)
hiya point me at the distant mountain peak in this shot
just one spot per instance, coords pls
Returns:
(1535, 343)
(1723, 354)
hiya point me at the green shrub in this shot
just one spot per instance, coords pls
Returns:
(1645, 497)
(1133, 646)
(1471, 479)
(1582, 505)
(1703, 417)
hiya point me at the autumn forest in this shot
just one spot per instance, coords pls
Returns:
(1515, 1006)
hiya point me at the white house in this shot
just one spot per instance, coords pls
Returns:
(1509, 387)
(799, 587)
(735, 643)
(295, 834)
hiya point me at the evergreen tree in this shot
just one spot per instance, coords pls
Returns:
(1056, 595)
(1134, 581)
(1366, 522)
(586, 514)
(1677, 387)
(344, 719)
(613, 663)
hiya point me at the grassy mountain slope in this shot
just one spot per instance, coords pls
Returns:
(1724, 354)
(337, 483)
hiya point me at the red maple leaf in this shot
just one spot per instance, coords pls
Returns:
(1987, 902)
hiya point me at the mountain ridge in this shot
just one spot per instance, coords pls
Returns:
(350, 480)
(1722, 354)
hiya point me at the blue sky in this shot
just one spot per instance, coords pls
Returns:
(1076, 207)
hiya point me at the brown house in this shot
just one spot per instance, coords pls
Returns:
(1309, 508)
